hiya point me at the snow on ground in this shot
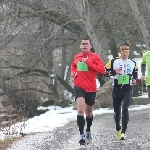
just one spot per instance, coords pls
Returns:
(56, 117)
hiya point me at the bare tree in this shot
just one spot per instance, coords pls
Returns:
(83, 9)
(39, 39)
(140, 21)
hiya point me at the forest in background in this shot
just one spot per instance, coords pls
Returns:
(39, 38)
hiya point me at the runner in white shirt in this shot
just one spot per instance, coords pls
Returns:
(124, 72)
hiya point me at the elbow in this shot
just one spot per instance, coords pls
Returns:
(103, 71)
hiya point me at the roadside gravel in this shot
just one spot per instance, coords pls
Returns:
(103, 128)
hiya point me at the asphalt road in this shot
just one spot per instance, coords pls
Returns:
(103, 128)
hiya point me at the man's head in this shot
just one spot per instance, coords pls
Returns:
(85, 45)
(124, 50)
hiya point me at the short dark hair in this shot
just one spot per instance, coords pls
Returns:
(124, 44)
(86, 38)
(92, 50)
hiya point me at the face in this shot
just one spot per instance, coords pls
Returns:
(85, 46)
(124, 51)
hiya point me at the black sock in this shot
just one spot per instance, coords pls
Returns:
(81, 123)
(89, 123)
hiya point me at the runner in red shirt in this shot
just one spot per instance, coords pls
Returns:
(84, 70)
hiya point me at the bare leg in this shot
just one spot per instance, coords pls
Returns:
(80, 114)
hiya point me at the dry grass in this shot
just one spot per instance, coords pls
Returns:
(6, 142)
(10, 129)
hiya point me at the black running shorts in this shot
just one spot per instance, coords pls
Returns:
(88, 96)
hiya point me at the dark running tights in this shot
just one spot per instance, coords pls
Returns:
(119, 96)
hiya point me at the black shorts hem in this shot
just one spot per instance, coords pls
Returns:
(88, 96)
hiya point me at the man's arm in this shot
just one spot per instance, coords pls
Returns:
(134, 74)
(97, 66)
(73, 69)
(143, 69)
(109, 68)
(135, 71)
(143, 65)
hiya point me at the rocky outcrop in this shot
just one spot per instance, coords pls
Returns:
(104, 94)
(140, 101)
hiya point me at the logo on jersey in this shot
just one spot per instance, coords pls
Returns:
(120, 66)
(129, 69)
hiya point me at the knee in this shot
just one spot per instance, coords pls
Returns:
(125, 109)
(117, 111)
(117, 114)
(80, 111)
(89, 114)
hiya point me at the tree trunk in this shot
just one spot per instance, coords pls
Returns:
(112, 43)
(30, 107)
(146, 3)
(140, 21)
(82, 7)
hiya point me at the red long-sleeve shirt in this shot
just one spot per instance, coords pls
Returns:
(87, 79)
